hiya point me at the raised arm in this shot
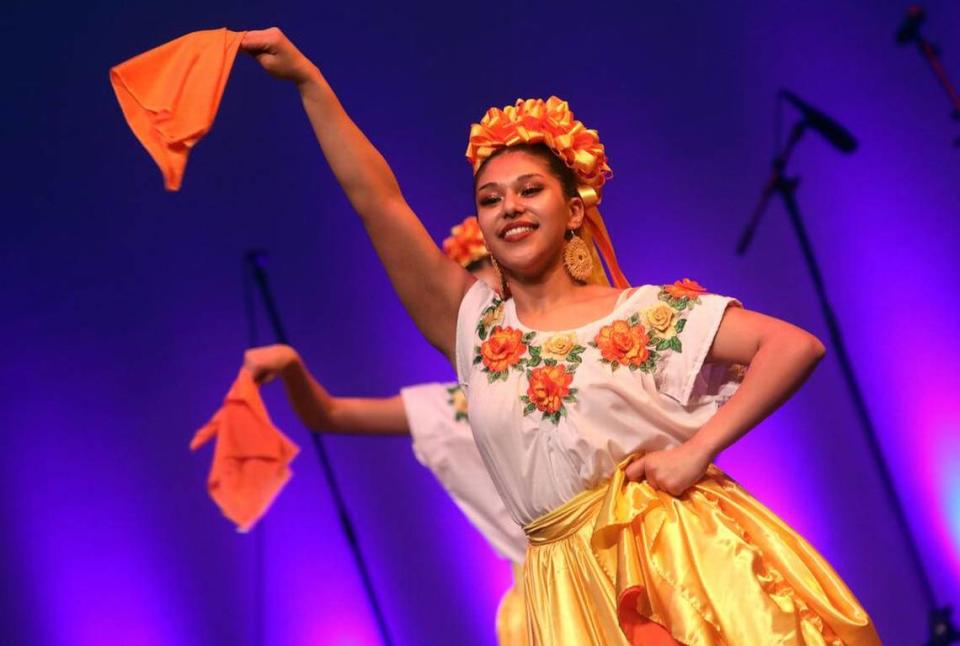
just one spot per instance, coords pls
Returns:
(318, 409)
(428, 283)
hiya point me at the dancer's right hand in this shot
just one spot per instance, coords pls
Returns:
(268, 361)
(276, 54)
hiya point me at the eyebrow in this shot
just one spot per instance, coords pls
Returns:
(519, 179)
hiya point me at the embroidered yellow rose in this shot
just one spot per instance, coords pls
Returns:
(559, 346)
(459, 401)
(492, 316)
(660, 318)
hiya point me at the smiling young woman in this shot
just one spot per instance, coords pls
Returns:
(597, 409)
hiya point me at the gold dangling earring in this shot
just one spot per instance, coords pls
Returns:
(504, 290)
(577, 258)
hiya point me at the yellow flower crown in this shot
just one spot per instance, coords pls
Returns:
(465, 244)
(550, 122)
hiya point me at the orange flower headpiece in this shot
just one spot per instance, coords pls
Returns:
(465, 244)
(550, 122)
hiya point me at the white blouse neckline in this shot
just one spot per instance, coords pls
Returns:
(511, 310)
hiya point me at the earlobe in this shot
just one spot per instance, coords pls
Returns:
(577, 211)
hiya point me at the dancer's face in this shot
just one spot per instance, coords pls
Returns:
(524, 213)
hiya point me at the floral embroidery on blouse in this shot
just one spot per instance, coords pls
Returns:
(640, 341)
(491, 316)
(548, 385)
(549, 367)
(458, 401)
(504, 349)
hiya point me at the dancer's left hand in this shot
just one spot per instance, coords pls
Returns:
(671, 470)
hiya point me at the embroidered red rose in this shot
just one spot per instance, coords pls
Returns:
(685, 288)
(503, 349)
(623, 343)
(548, 386)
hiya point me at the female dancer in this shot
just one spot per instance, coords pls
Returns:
(595, 409)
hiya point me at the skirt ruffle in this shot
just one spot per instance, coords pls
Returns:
(626, 564)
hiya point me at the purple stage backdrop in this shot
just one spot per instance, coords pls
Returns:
(123, 312)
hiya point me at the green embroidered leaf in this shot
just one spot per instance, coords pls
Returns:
(592, 344)
(570, 398)
(675, 344)
(573, 392)
(482, 332)
(534, 350)
(492, 377)
(680, 325)
(529, 336)
(614, 366)
(682, 303)
(529, 409)
(550, 362)
(635, 319)
(574, 358)
(461, 417)
(663, 344)
(534, 362)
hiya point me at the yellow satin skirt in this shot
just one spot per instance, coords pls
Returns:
(626, 564)
(512, 613)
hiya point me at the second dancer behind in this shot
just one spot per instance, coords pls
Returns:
(435, 417)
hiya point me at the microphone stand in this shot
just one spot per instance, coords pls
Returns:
(931, 53)
(942, 632)
(257, 264)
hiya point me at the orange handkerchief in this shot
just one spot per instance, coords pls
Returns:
(251, 460)
(170, 95)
